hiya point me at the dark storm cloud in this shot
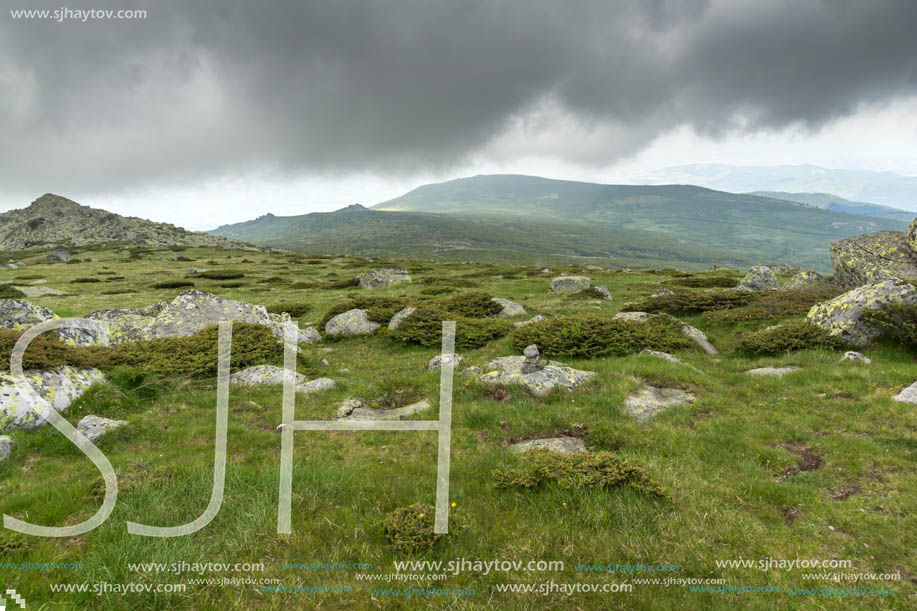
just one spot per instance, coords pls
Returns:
(199, 89)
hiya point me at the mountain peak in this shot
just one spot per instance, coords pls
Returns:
(52, 201)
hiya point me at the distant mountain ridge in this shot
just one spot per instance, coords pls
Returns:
(829, 201)
(52, 219)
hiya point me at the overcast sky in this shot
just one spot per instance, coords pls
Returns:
(217, 111)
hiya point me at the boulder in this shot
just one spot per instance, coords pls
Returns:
(872, 258)
(604, 292)
(59, 386)
(399, 317)
(560, 445)
(510, 308)
(843, 315)
(570, 284)
(662, 355)
(369, 413)
(437, 361)
(271, 374)
(698, 337)
(856, 357)
(522, 323)
(94, 427)
(350, 323)
(193, 310)
(908, 395)
(804, 280)
(383, 277)
(469, 372)
(759, 278)
(6, 447)
(19, 314)
(651, 400)
(538, 379)
(58, 255)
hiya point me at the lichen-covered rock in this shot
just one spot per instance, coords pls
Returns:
(570, 284)
(522, 323)
(631, 316)
(698, 337)
(58, 255)
(603, 290)
(307, 334)
(772, 371)
(651, 400)
(872, 258)
(804, 280)
(350, 323)
(510, 308)
(759, 278)
(505, 371)
(400, 317)
(6, 447)
(469, 372)
(383, 277)
(59, 387)
(560, 445)
(662, 355)
(94, 427)
(370, 413)
(19, 314)
(908, 395)
(856, 357)
(271, 374)
(843, 315)
(193, 310)
(437, 361)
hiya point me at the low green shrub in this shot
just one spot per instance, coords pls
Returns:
(341, 284)
(576, 471)
(221, 275)
(425, 327)
(693, 302)
(896, 321)
(774, 306)
(789, 337)
(438, 290)
(410, 529)
(590, 293)
(704, 282)
(591, 336)
(294, 308)
(9, 292)
(472, 305)
(33, 277)
(231, 285)
(173, 284)
(84, 280)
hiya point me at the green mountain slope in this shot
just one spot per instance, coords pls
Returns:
(761, 228)
(474, 237)
(828, 201)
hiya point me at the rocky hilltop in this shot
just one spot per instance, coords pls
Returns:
(52, 219)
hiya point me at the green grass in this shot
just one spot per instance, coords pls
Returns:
(731, 490)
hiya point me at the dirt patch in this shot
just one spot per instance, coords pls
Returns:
(791, 514)
(846, 492)
(811, 459)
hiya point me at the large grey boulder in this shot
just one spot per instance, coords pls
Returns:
(271, 374)
(570, 284)
(59, 386)
(58, 255)
(94, 427)
(510, 308)
(383, 277)
(19, 314)
(651, 400)
(6, 447)
(873, 257)
(194, 310)
(350, 323)
(759, 278)
(843, 315)
(559, 445)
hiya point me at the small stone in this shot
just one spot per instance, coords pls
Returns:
(570, 284)
(399, 317)
(94, 427)
(663, 293)
(439, 360)
(631, 316)
(856, 356)
(532, 360)
(560, 445)
(651, 400)
(772, 371)
(6, 447)
(510, 308)
(759, 278)
(522, 323)
(398, 413)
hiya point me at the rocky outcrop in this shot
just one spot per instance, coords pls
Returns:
(510, 308)
(355, 409)
(383, 277)
(651, 400)
(58, 255)
(94, 427)
(804, 280)
(350, 323)
(19, 314)
(759, 278)
(843, 315)
(563, 285)
(59, 386)
(873, 257)
(271, 374)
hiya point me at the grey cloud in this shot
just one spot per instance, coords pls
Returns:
(202, 89)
